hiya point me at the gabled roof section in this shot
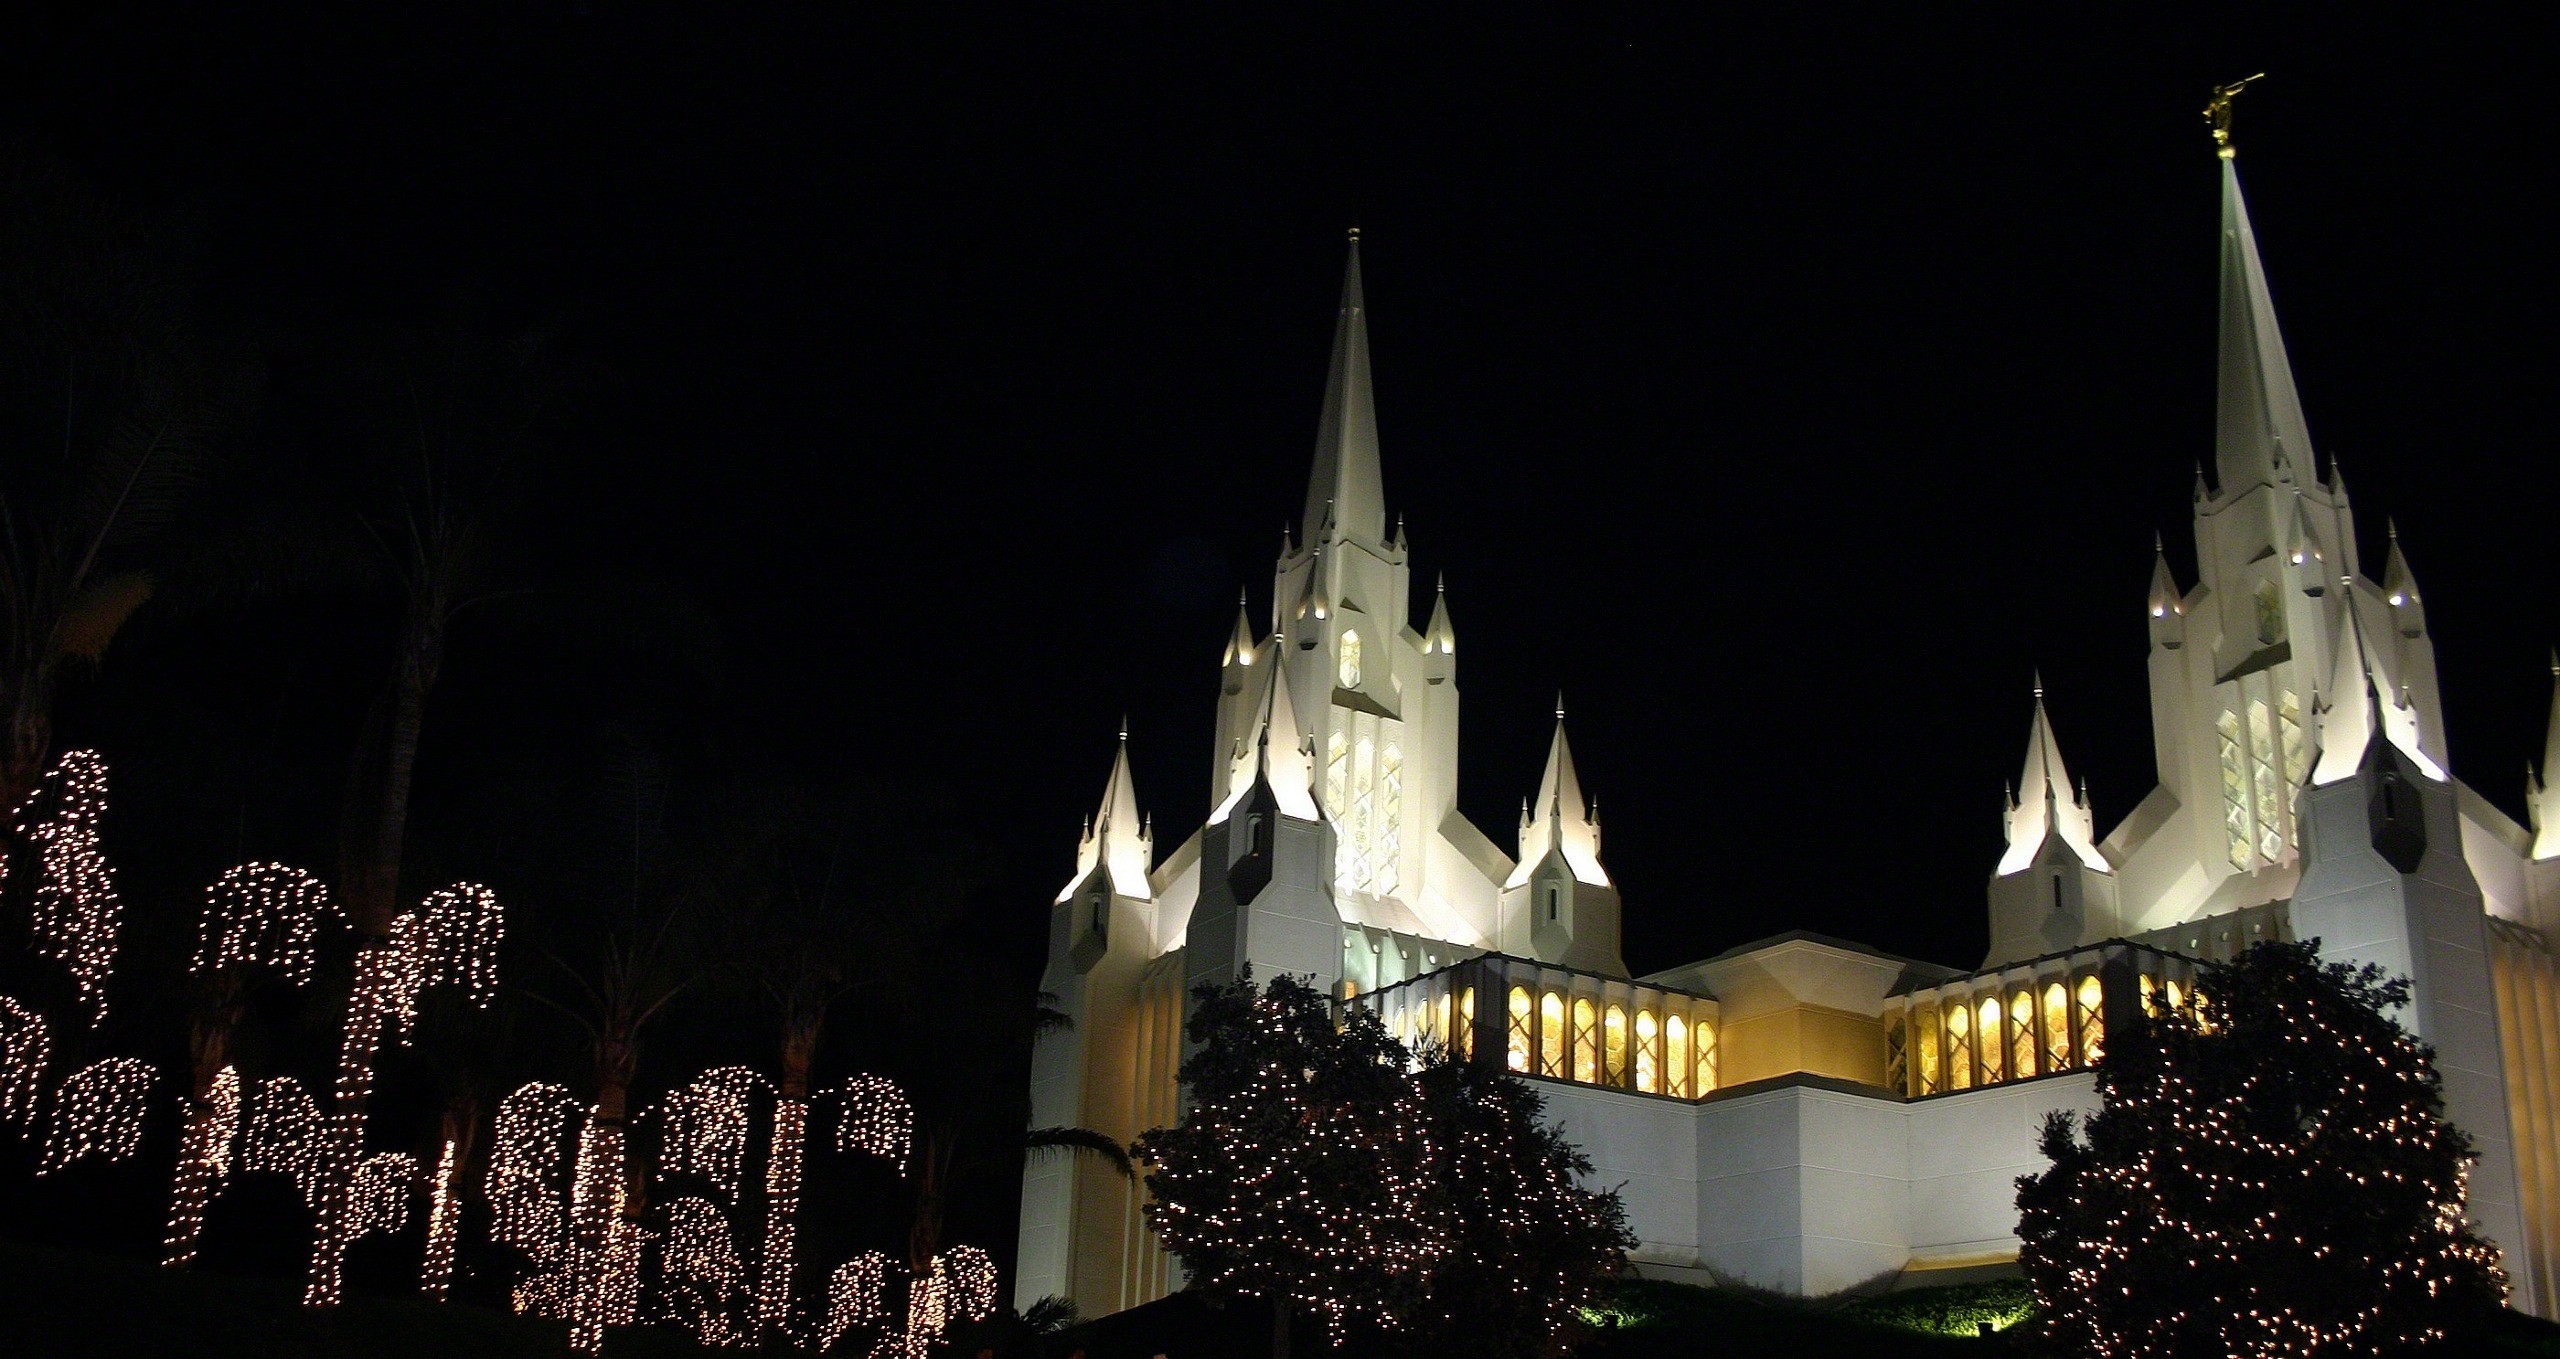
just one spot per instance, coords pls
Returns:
(1117, 841)
(2257, 413)
(1560, 821)
(2045, 805)
(1345, 484)
(1271, 752)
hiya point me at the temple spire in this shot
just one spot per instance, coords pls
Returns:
(2257, 414)
(1345, 483)
(2044, 805)
(1117, 838)
(1560, 819)
(2543, 792)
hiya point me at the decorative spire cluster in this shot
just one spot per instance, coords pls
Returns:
(2045, 805)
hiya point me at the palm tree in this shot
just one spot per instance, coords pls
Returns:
(110, 403)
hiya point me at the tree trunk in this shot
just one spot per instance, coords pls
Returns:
(444, 1212)
(357, 1047)
(782, 1180)
(604, 1240)
(200, 1155)
(1279, 1326)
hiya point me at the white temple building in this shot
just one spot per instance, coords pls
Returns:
(1803, 1113)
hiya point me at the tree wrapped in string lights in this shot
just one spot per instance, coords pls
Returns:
(450, 940)
(98, 1113)
(25, 1048)
(2270, 1173)
(256, 916)
(1293, 1179)
(77, 913)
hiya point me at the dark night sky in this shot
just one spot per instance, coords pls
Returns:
(1782, 389)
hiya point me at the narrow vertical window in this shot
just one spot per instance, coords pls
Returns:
(1519, 1035)
(2022, 1034)
(1648, 1053)
(1932, 1075)
(1897, 1055)
(2270, 789)
(2270, 613)
(2057, 891)
(1551, 1034)
(1704, 1035)
(1586, 1042)
(2235, 789)
(1988, 1035)
(1613, 1046)
(2093, 1022)
(1350, 663)
(1959, 1047)
(1675, 1056)
(2057, 1028)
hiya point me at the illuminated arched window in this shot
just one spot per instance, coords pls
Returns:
(1586, 1042)
(1463, 1041)
(1704, 1035)
(2057, 1028)
(2177, 994)
(2022, 1034)
(1897, 1054)
(1988, 1036)
(1613, 1045)
(2270, 613)
(1675, 1056)
(1350, 653)
(2093, 1021)
(1933, 1077)
(1959, 1047)
(1551, 1034)
(1648, 1053)
(1519, 1044)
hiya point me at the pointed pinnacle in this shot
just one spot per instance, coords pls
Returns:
(2158, 547)
(2391, 527)
(1355, 235)
(1440, 583)
(1124, 729)
(1559, 705)
(2039, 681)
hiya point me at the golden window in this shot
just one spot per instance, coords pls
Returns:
(1519, 1054)
(1704, 1035)
(1614, 1045)
(2057, 1028)
(1350, 663)
(1675, 1056)
(1551, 1034)
(1586, 1042)
(2093, 1022)
(1648, 1053)
(2022, 1034)
(1959, 1047)
(1988, 1036)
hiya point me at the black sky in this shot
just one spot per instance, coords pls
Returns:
(1783, 388)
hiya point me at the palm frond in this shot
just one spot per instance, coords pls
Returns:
(1044, 1141)
(98, 612)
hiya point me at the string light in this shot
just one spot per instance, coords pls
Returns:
(444, 1220)
(969, 1282)
(204, 1158)
(98, 1113)
(927, 1312)
(528, 1148)
(702, 1271)
(283, 1135)
(853, 1296)
(76, 910)
(379, 1193)
(877, 1120)
(542, 1295)
(263, 914)
(604, 1244)
(703, 1126)
(450, 940)
(25, 1047)
(782, 1211)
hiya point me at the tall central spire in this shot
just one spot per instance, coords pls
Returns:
(2257, 415)
(1345, 484)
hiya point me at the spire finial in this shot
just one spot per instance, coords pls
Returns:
(2391, 527)
(2158, 547)
(1124, 729)
(2555, 662)
(2217, 111)
(1440, 583)
(1559, 705)
(2039, 680)
(1355, 231)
